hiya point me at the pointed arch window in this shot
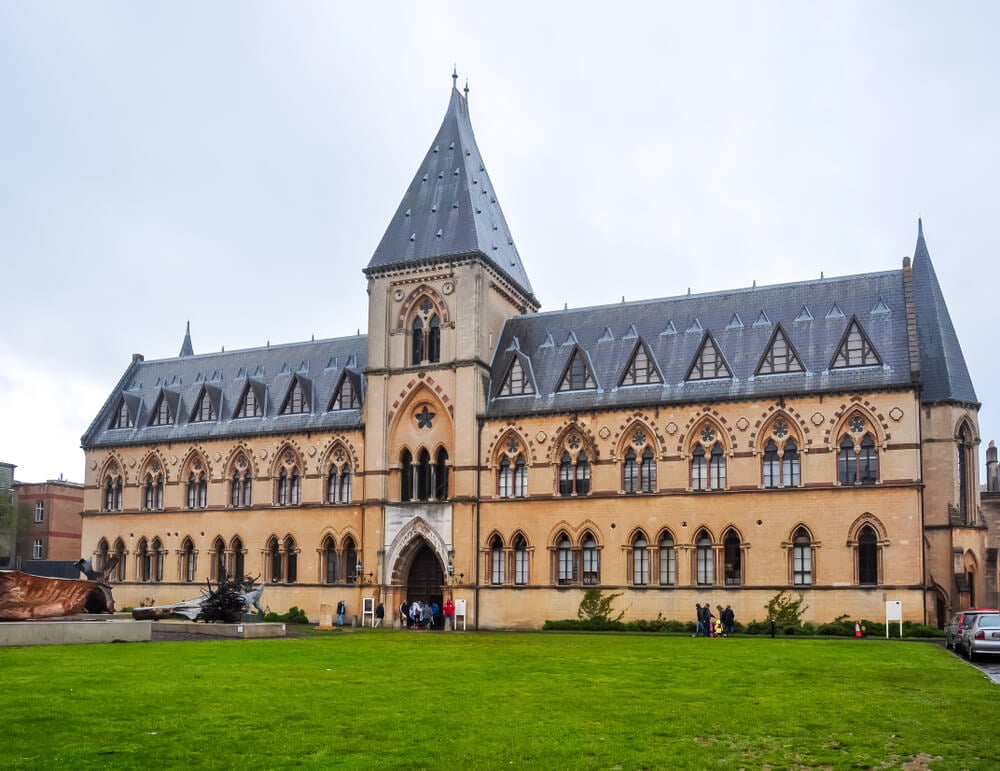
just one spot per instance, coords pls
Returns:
(188, 566)
(640, 560)
(708, 363)
(868, 556)
(640, 369)
(204, 409)
(732, 553)
(239, 558)
(591, 560)
(781, 467)
(802, 558)
(857, 465)
(153, 492)
(289, 486)
(520, 561)
(156, 558)
(329, 556)
(434, 340)
(274, 560)
(565, 564)
(297, 401)
(122, 417)
(119, 571)
(582, 474)
(241, 487)
(417, 341)
(197, 490)
(577, 376)
(704, 560)
(102, 555)
(639, 470)
(406, 476)
(779, 357)
(219, 571)
(855, 349)
(966, 449)
(574, 473)
(566, 475)
(668, 561)
(440, 475)
(497, 572)
(351, 560)
(113, 493)
(144, 561)
(505, 479)
(630, 472)
(291, 561)
(517, 382)
(249, 406)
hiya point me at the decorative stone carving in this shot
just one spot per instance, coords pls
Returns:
(540, 437)
(817, 418)
(742, 424)
(671, 428)
(605, 432)
(896, 414)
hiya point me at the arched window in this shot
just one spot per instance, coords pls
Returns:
(668, 561)
(119, 572)
(867, 556)
(102, 555)
(239, 559)
(520, 561)
(647, 471)
(630, 472)
(699, 469)
(417, 341)
(640, 560)
(505, 478)
(591, 561)
(424, 475)
(771, 465)
(704, 563)
(582, 474)
(329, 550)
(291, 561)
(406, 476)
(144, 561)
(235, 494)
(274, 560)
(802, 561)
(497, 572)
(187, 561)
(346, 493)
(113, 493)
(565, 565)
(717, 468)
(966, 477)
(351, 560)
(295, 488)
(520, 477)
(441, 475)
(219, 571)
(733, 556)
(434, 340)
(791, 470)
(197, 490)
(566, 475)
(857, 467)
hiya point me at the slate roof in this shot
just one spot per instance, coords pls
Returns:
(270, 371)
(814, 317)
(943, 372)
(450, 209)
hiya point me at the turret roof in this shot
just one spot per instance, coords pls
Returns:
(450, 209)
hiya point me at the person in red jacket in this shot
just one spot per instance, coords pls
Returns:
(449, 614)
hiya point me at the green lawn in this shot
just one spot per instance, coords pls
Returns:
(493, 700)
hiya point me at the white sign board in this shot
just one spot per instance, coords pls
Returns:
(460, 611)
(893, 612)
(368, 610)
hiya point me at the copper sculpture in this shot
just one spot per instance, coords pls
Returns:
(24, 597)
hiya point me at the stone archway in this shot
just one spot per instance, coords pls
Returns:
(425, 578)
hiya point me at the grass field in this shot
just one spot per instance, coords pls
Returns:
(485, 700)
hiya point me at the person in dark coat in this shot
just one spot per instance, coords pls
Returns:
(699, 616)
(728, 621)
(404, 614)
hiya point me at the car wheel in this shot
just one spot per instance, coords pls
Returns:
(947, 644)
(972, 653)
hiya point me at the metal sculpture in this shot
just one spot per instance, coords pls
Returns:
(24, 597)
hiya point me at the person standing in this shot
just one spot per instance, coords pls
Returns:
(435, 615)
(449, 614)
(699, 618)
(404, 614)
(341, 610)
(379, 614)
(728, 621)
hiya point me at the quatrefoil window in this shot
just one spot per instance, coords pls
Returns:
(338, 455)
(780, 428)
(707, 434)
(574, 442)
(857, 424)
(512, 446)
(426, 306)
(638, 438)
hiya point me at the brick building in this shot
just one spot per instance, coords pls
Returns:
(52, 522)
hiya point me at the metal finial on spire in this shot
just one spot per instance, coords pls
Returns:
(454, 76)
(920, 226)
(466, 88)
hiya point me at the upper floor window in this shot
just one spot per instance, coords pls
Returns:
(297, 401)
(512, 472)
(641, 369)
(122, 417)
(639, 466)
(708, 363)
(338, 483)
(708, 470)
(425, 336)
(153, 492)
(113, 493)
(857, 463)
(781, 466)
(249, 406)
(517, 382)
(779, 356)
(162, 414)
(520, 560)
(204, 409)
(39, 511)
(289, 487)
(197, 490)
(345, 397)
(424, 480)
(855, 349)
(574, 474)
(966, 449)
(37, 551)
(577, 376)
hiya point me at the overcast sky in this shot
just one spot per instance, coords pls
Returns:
(236, 163)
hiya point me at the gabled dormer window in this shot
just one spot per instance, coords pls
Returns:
(162, 415)
(517, 382)
(779, 356)
(640, 369)
(249, 406)
(855, 349)
(204, 409)
(297, 401)
(122, 418)
(708, 363)
(577, 376)
(345, 397)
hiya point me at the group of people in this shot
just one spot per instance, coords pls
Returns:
(710, 625)
(427, 615)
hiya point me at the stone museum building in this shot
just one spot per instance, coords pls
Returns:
(819, 436)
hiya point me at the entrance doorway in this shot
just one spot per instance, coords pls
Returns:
(425, 581)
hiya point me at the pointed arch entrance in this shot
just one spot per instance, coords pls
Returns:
(424, 579)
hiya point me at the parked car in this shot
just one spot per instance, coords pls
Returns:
(958, 621)
(982, 635)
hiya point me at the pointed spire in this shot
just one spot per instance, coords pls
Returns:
(450, 210)
(186, 348)
(454, 76)
(943, 372)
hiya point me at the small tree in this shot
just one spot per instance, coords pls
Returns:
(785, 610)
(596, 606)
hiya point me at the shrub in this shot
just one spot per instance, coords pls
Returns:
(293, 616)
(596, 606)
(785, 609)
